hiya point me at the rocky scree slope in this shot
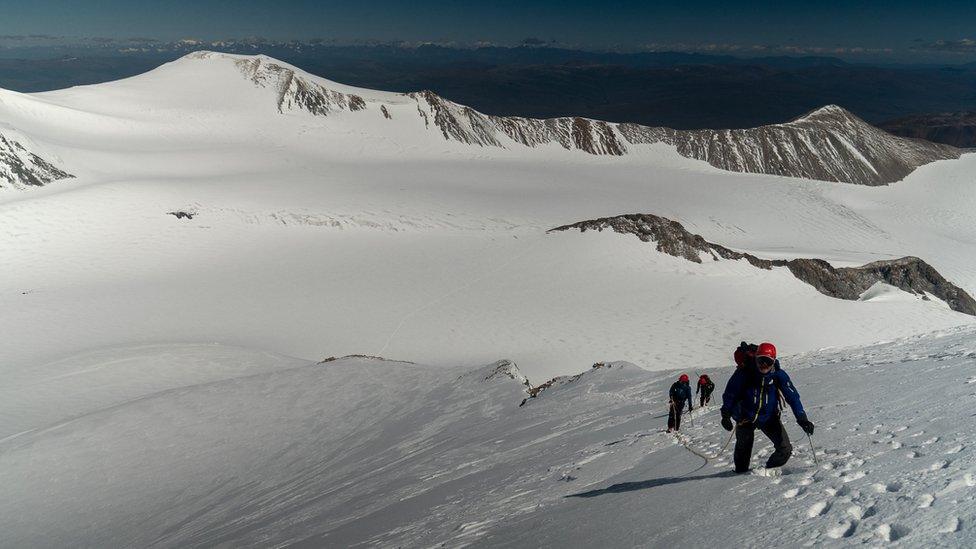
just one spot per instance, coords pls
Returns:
(910, 274)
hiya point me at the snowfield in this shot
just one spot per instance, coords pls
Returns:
(351, 233)
(166, 446)
(164, 310)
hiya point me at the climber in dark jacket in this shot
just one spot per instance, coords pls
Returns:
(705, 388)
(679, 393)
(751, 398)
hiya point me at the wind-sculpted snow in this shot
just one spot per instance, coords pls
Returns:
(829, 144)
(179, 446)
(910, 274)
(20, 167)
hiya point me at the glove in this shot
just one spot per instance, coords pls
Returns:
(806, 425)
(727, 423)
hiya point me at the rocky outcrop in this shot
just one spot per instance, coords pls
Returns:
(562, 380)
(506, 369)
(19, 167)
(829, 144)
(910, 274)
(950, 128)
(293, 91)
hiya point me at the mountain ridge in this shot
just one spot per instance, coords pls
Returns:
(828, 143)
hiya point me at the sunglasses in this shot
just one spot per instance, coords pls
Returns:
(765, 362)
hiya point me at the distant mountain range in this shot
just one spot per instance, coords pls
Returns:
(953, 128)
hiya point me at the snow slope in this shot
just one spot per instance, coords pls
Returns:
(351, 232)
(229, 213)
(250, 449)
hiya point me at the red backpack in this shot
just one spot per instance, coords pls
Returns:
(745, 354)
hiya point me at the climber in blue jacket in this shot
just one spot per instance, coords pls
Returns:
(752, 399)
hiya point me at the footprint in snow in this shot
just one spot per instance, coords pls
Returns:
(843, 529)
(861, 513)
(931, 441)
(941, 464)
(955, 449)
(850, 477)
(818, 509)
(951, 526)
(890, 487)
(925, 501)
(892, 532)
(843, 490)
(792, 493)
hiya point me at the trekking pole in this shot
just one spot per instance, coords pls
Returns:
(812, 449)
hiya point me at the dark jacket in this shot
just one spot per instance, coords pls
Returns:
(752, 396)
(679, 393)
(707, 387)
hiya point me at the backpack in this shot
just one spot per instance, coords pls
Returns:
(745, 354)
(677, 392)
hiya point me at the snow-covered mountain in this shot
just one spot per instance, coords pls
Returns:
(307, 197)
(227, 213)
(829, 144)
(203, 445)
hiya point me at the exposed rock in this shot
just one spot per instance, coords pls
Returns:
(294, 91)
(671, 237)
(910, 274)
(181, 214)
(370, 357)
(562, 380)
(829, 144)
(507, 369)
(19, 167)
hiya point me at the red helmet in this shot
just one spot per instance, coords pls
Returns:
(683, 378)
(767, 349)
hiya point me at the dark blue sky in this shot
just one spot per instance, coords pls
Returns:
(899, 25)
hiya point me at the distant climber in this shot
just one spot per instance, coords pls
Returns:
(704, 390)
(752, 398)
(679, 393)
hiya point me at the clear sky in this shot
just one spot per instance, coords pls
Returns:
(899, 25)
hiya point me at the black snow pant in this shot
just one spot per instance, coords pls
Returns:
(674, 416)
(744, 436)
(706, 397)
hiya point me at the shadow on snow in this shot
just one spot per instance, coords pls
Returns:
(646, 484)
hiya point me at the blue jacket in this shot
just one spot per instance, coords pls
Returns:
(752, 396)
(679, 394)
